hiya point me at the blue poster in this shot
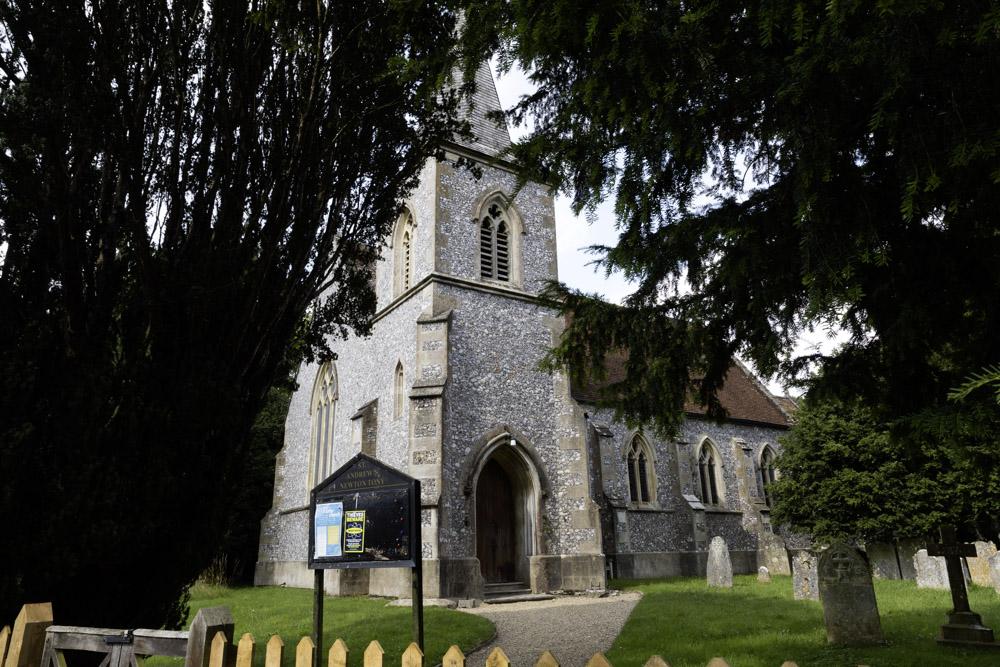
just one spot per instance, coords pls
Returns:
(329, 522)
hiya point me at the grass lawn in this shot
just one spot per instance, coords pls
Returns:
(287, 612)
(761, 625)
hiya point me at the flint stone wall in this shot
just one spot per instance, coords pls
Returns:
(458, 236)
(506, 337)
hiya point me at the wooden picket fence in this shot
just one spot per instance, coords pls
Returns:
(34, 641)
(374, 656)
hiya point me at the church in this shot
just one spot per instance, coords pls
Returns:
(524, 484)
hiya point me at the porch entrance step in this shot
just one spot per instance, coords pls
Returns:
(511, 591)
(528, 597)
(507, 588)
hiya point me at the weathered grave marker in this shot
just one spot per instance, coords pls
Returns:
(763, 575)
(771, 552)
(848, 597)
(995, 572)
(882, 556)
(931, 572)
(964, 626)
(907, 548)
(979, 566)
(720, 567)
(804, 583)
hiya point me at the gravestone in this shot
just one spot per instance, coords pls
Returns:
(979, 565)
(763, 575)
(931, 571)
(848, 597)
(804, 585)
(907, 549)
(964, 627)
(720, 568)
(882, 556)
(772, 553)
(995, 572)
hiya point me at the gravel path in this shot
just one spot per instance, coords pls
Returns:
(573, 628)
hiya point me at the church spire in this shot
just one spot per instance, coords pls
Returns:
(487, 137)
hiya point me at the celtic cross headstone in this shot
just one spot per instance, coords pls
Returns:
(848, 598)
(964, 626)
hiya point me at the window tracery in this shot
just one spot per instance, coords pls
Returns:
(641, 477)
(323, 411)
(709, 482)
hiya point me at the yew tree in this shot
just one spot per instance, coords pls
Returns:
(179, 181)
(774, 166)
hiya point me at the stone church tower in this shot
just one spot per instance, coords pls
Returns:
(446, 389)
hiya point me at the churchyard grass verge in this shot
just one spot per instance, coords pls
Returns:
(287, 612)
(761, 625)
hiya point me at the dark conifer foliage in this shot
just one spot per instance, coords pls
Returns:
(797, 163)
(179, 181)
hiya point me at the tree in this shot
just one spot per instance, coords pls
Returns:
(797, 163)
(179, 182)
(844, 474)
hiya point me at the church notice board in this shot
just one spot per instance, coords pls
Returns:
(364, 515)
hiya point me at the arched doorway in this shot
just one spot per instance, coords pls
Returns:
(507, 495)
(496, 529)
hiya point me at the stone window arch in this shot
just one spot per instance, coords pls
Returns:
(768, 473)
(642, 480)
(402, 253)
(710, 487)
(322, 415)
(499, 231)
(398, 391)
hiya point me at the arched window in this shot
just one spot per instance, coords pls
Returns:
(709, 478)
(407, 260)
(494, 244)
(402, 270)
(323, 411)
(767, 473)
(397, 391)
(641, 478)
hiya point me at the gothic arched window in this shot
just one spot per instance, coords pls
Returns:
(709, 475)
(398, 389)
(494, 244)
(641, 478)
(323, 411)
(767, 473)
(402, 269)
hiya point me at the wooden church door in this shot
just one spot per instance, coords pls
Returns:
(495, 519)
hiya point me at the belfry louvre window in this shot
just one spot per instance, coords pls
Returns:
(494, 245)
(641, 487)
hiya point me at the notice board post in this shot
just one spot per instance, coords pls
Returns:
(365, 515)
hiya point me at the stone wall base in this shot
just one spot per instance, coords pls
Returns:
(567, 573)
(662, 564)
(296, 574)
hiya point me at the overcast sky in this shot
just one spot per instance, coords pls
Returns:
(576, 234)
